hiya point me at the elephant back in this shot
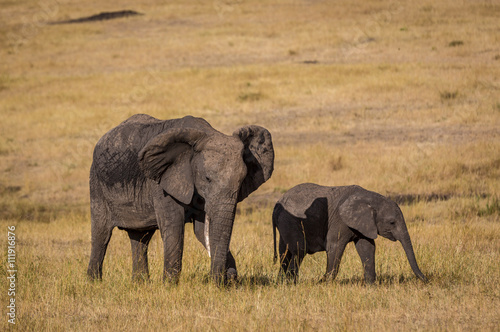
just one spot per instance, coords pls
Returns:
(300, 198)
(338, 195)
(115, 158)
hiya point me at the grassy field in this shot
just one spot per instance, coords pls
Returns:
(401, 98)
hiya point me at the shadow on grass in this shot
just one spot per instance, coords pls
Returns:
(381, 280)
(260, 280)
(256, 280)
(266, 280)
(387, 279)
(409, 199)
(242, 281)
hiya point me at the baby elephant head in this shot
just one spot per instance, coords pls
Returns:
(370, 214)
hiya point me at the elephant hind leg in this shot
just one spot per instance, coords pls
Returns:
(290, 259)
(294, 267)
(101, 234)
(139, 241)
(101, 229)
(285, 259)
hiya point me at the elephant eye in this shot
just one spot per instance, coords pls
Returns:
(208, 179)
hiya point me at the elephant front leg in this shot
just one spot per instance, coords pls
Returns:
(139, 242)
(366, 251)
(170, 217)
(334, 254)
(173, 245)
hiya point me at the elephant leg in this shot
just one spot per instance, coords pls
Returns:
(366, 251)
(100, 240)
(231, 271)
(199, 231)
(170, 217)
(101, 230)
(139, 241)
(292, 244)
(285, 258)
(294, 266)
(334, 254)
(290, 257)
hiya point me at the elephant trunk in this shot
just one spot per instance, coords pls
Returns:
(219, 236)
(408, 248)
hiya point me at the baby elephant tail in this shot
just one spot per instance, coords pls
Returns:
(277, 210)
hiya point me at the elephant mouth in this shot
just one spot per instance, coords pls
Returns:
(388, 235)
(391, 237)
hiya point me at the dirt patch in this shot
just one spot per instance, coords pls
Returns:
(454, 135)
(257, 202)
(415, 198)
(101, 17)
(9, 190)
(409, 199)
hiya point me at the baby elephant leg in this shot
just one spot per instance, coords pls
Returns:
(334, 252)
(291, 257)
(366, 251)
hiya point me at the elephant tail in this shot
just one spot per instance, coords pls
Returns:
(276, 212)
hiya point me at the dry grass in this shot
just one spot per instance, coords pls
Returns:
(399, 98)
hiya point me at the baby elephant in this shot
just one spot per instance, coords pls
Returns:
(312, 218)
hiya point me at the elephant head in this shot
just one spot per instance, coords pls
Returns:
(370, 214)
(222, 169)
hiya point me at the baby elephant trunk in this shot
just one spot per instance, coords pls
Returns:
(408, 248)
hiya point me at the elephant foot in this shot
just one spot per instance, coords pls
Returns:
(287, 278)
(232, 275)
(230, 278)
(369, 281)
(140, 277)
(231, 281)
(171, 279)
(291, 279)
(327, 277)
(93, 275)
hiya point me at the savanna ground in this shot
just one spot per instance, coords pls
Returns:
(401, 98)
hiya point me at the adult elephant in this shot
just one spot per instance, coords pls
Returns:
(150, 174)
(312, 218)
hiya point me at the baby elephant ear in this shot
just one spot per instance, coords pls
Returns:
(166, 159)
(258, 156)
(357, 214)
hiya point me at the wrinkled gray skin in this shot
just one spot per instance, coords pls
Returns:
(149, 174)
(312, 218)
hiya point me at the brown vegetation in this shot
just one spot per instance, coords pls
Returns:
(401, 98)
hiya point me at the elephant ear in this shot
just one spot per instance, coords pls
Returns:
(298, 204)
(299, 199)
(166, 160)
(357, 214)
(258, 156)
